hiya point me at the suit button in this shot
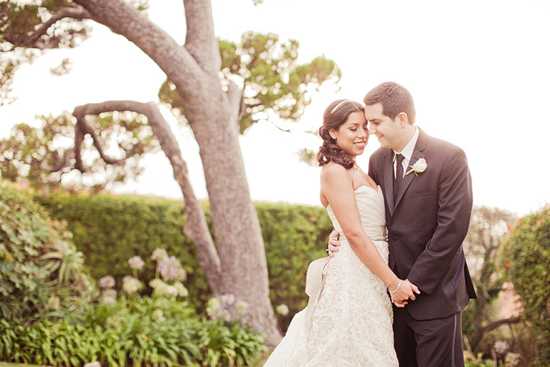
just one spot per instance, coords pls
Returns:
(394, 237)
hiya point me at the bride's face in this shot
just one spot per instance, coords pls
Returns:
(353, 135)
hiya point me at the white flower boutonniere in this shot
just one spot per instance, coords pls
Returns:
(419, 167)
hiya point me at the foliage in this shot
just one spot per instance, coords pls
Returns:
(42, 156)
(488, 226)
(477, 361)
(111, 229)
(41, 272)
(273, 83)
(131, 333)
(294, 235)
(19, 22)
(526, 255)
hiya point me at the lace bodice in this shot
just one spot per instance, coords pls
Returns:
(370, 203)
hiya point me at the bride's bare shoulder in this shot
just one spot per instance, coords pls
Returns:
(332, 168)
(334, 173)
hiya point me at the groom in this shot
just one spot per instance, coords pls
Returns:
(428, 194)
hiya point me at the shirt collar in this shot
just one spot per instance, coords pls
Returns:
(407, 152)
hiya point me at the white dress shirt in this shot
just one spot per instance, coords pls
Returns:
(407, 152)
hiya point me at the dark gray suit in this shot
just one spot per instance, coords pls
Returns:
(427, 225)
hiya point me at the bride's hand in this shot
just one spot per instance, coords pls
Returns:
(333, 243)
(405, 291)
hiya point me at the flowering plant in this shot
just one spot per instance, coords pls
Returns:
(226, 308)
(136, 262)
(169, 276)
(419, 167)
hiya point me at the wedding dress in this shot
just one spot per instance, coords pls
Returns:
(348, 320)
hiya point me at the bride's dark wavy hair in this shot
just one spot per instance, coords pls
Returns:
(336, 115)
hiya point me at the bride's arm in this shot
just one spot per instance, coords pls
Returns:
(337, 189)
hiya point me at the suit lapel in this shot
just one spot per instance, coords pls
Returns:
(388, 179)
(417, 154)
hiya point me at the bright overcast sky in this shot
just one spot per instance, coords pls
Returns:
(479, 72)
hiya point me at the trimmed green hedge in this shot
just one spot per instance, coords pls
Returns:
(111, 229)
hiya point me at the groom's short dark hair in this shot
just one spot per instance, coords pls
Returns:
(394, 99)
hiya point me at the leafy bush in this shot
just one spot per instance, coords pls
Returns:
(526, 255)
(477, 361)
(111, 229)
(41, 272)
(132, 333)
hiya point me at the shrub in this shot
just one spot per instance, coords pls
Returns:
(526, 255)
(111, 229)
(41, 272)
(130, 333)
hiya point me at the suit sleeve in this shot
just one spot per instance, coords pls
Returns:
(453, 218)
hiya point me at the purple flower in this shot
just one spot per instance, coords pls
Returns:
(131, 285)
(136, 262)
(159, 254)
(170, 269)
(107, 282)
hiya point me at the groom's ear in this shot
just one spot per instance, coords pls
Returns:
(402, 119)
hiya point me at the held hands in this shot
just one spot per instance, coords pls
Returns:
(333, 243)
(400, 294)
(404, 292)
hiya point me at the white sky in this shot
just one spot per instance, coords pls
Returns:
(479, 72)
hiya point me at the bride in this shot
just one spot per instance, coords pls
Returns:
(348, 320)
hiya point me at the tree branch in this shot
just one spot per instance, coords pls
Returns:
(478, 335)
(200, 39)
(4, 13)
(235, 99)
(176, 61)
(33, 40)
(61, 162)
(83, 128)
(196, 227)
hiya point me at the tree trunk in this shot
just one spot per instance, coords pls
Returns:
(194, 71)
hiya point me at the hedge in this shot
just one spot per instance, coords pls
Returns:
(110, 229)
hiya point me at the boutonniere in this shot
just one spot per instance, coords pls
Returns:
(419, 167)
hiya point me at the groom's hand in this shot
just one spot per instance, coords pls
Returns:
(333, 243)
(406, 292)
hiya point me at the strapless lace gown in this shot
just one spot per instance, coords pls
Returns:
(350, 324)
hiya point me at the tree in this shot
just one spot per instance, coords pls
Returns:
(488, 226)
(213, 109)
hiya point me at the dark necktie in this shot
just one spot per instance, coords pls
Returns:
(398, 175)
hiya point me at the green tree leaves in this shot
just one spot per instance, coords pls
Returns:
(41, 156)
(273, 84)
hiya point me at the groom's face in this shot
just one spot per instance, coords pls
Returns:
(386, 130)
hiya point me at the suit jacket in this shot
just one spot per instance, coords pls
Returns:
(427, 225)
